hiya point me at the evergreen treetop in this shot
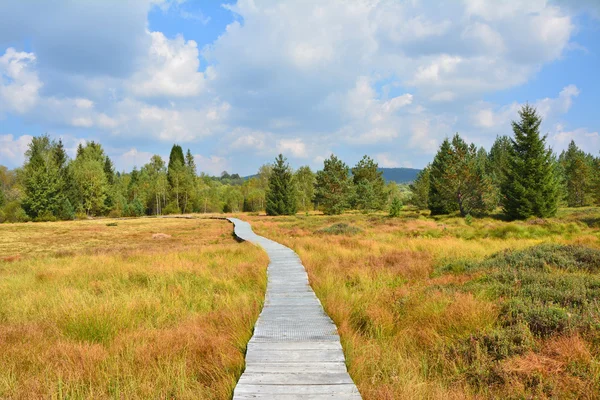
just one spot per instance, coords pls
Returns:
(531, 184)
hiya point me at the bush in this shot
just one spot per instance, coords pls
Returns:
(340, 229)
(395, 207)
(46, 216)
(171, 208)
(65, 210)
(136, 208)
(551, 288)
(13, 212)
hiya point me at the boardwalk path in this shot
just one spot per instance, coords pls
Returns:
(295, 352)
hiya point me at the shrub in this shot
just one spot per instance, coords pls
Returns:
(46, 216)
(550, 287)
(340, 229)
(13, 212)
(171, 208)
(395, 207)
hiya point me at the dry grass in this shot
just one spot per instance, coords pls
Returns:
(95, 311)
(410, 331)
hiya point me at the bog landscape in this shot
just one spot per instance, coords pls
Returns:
(412, 208)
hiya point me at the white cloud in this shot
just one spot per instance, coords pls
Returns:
(386, 161)
(492, 117)
(132, 158)
(172, 69)
(19, 82)
(12, 150)
(82, 122)
(559, 139)
(295, 147)
(211, 165)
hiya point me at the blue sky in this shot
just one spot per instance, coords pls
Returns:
(239, 82)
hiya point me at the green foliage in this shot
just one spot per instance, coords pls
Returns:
(136, 208)
(89, 179)
(420, 189)
(531, 185)
(42, 179)
(458, 182)
(550, 288)
(281, 196)
(577, 167)
(498, 159)
(334, 187)
(13, 212)
(369, 186)
(395, 207)
(171, 208)
(305, 185)
(340, 229)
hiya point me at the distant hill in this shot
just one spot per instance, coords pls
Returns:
(400, 175)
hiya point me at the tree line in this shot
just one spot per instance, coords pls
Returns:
(51, 186)
(519, 175)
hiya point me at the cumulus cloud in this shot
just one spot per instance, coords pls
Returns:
(301, 77)
(490, 117)
(212, 165)
(19, 82)
(12, 150)
(172, 69)
(295, 147)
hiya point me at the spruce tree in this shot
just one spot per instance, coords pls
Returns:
(436, 201)
(531, 185)
(334, 186)
(458, 181)
(281, 195)
(420, 189)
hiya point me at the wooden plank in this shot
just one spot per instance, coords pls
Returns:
(306, 390)
(295, 352)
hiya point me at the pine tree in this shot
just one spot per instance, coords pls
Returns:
(458, 180)
(369, 185)
(420, 189)
(281, 195)
(531, 186)
(395, 207)
(436, 201)
(334, 187)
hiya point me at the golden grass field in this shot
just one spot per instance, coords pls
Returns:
(95, 311)
(424, 308)
(412, 328)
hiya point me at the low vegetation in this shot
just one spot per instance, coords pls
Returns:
(447, 307)
(96, 310)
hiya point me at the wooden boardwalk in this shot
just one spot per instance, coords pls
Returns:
(295, 352)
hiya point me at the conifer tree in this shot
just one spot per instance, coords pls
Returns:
(42, 179)
(531, 185)
(334, 186)
(281, 195)
(369, 185)
(436, 201)
(458, 181)
(420, 189)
